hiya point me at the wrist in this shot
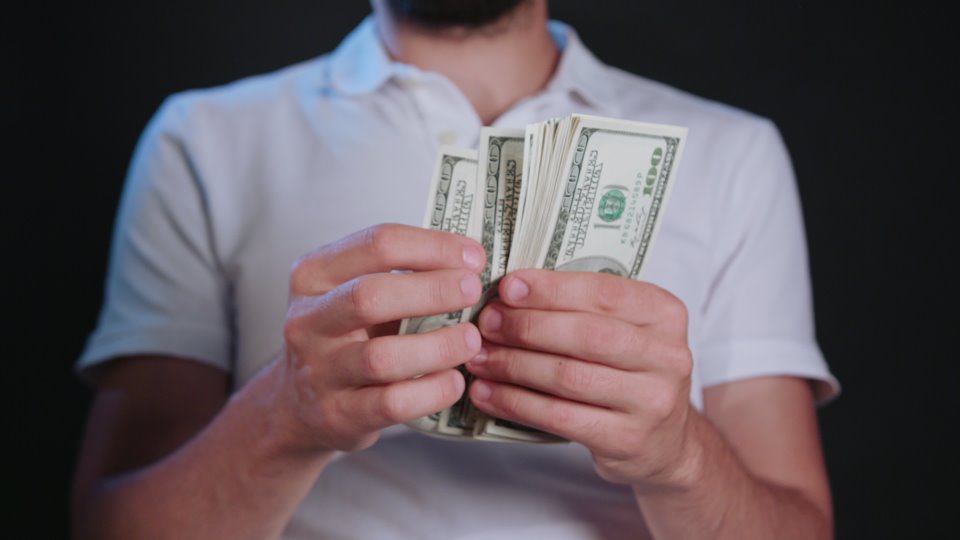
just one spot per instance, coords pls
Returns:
(692, 463)
(278, 435)
(688, 467)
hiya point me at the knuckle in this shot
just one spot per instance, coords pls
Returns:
(574, 378)
(393, 405)
(561, 417)
(520, 326)
(598, 430)
(362, 442)
(295, 331)
(506, 363)
(625, 445)
(437, 291)
(364, 297)
(598, 337)
(661, 402)
(604, 470)
(598, 434)
(380, 239)
(376, 362)
(307, 276)
(675, 310)
(299, 275)
(635, 345)
(683, 362)
(510, 403)
(331, 415)
(634, 441)
(617, 441)
(608, 384)
(609, 292)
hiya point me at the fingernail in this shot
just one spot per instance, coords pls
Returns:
(490, 320)
(473, 255)
(480, 390)
(472, 337)
(470, 285)
(516, 289)
(480, 358)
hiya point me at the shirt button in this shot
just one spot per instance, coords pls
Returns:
(447, 137)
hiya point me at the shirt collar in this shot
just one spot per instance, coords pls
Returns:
(361, 65)
(579, 72)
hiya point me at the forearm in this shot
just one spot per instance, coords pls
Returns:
(235, 479)
(722, 499)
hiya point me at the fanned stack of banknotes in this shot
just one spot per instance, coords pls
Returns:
(581, 193)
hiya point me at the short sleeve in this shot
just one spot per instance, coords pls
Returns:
(758, 316)
(165, 292)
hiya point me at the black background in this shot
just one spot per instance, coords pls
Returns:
(861, 94)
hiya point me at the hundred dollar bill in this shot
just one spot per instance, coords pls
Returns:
(548, 143)
(505, 151)
(499, 173)
(608, 212)
(450, 208)
(604, 210)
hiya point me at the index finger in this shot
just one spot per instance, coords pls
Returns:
(632, 301)
(382, 248)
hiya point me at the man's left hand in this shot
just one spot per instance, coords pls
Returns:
(598, 359)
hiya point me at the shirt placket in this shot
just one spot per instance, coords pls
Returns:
(534, 109)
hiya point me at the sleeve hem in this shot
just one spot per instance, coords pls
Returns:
(729, 361)
(203, 345)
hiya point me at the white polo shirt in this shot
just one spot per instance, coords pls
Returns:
(228, 186)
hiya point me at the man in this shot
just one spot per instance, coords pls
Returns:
(238, 398)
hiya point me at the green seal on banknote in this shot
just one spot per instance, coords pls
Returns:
(612, 205)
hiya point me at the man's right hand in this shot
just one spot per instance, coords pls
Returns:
(158, 422)
(344, 377)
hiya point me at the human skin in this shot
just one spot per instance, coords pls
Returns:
(603, 361)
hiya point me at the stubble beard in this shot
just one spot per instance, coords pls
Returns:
(449, 14)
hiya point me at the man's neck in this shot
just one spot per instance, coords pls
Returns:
(494, 67)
